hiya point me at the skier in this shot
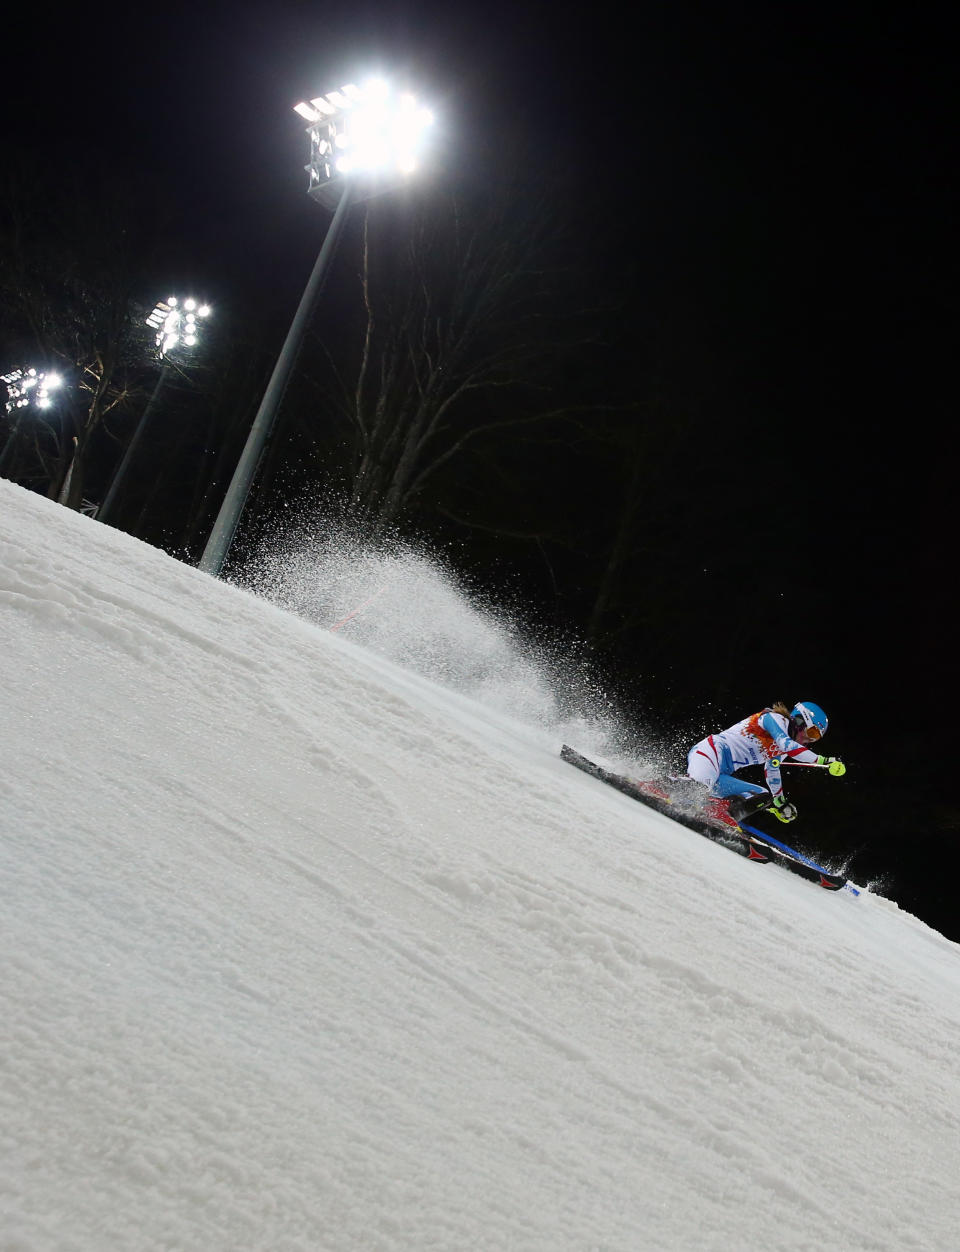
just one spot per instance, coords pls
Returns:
(765, 738)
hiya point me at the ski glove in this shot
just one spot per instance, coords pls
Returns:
(834, 765)
(783, 809)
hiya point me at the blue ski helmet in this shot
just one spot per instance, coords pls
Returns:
(808, 722)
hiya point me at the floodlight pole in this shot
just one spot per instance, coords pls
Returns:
(224, 528)
(10, 442)
(12, 381)
(110, 499)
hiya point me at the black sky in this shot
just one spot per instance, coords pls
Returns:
(779, 175)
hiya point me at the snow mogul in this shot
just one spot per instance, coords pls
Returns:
(767, 738)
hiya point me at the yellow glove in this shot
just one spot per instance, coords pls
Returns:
(834, 765)
(783, 809)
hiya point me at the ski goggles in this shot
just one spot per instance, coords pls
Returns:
(811, 733)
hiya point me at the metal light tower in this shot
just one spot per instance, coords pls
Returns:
(177, 327)
(176, 323)
(371, 135)
(363, 141)
(26, 388)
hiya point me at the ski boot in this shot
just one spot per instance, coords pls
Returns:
(742, 807)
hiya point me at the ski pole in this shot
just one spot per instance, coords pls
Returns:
(806, 764)
(359, 609)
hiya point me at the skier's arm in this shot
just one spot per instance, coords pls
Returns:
(771, 774)
(787, 749)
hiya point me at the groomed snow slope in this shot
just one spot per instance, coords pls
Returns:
(299, 951)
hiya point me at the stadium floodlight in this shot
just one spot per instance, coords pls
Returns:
(176, 323)
(372, 133)
(27, 387)
(363, 141)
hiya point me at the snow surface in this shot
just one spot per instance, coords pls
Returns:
(302, 951)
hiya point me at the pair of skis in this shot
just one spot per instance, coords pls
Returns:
(745, 840)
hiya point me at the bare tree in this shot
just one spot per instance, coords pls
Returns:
(68, 278)
(466, 307)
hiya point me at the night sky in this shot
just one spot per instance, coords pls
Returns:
(775, 180)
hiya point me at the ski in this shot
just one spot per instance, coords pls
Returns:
(746, 841)
(798, 862)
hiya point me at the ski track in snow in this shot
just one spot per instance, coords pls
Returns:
(301, 951)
